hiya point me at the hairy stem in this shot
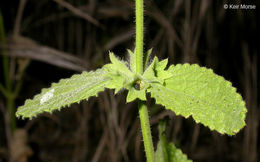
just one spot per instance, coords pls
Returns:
(143, 113)
(146, 132)
(139, 10)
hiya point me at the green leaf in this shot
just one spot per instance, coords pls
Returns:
(150, 73)
(160, 71)
(132, 63)
(167, 152)
(147, 55)
(155, 71)
(198, 92)
(67, 91)
(134, 94)
(123, 77)
(118, 67)
(120, 73)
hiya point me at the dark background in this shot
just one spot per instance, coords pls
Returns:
(105, 128)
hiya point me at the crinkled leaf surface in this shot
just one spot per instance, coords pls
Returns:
(185, 89)
(115, 75)
(167, 152)
(67, 91)
(198, 92)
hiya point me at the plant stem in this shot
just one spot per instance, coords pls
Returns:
(146, 132)
(143, 113)
(139, 16)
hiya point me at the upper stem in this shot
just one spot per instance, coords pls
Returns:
(143, 112)
(139, 16)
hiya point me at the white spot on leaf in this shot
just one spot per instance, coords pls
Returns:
(47, 96)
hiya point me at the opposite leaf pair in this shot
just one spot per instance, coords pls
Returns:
(188, 90)
(123, 76)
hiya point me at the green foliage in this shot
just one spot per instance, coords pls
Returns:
(125, 77)
(67, 91)
(188, 90)
(199, 92)
(167, 152)
(119, 72)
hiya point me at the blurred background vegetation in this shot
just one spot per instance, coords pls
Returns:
(44, 41)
